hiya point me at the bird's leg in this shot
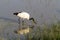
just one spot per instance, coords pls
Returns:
(23, 22)
(19, 24)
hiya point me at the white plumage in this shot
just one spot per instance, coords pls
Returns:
(24, 15)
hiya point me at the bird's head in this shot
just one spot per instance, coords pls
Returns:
(16, 13)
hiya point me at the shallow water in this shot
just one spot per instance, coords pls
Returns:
(7, 28)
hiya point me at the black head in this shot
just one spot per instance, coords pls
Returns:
(15, 13)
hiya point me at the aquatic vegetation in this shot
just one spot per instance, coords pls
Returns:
(46, 32)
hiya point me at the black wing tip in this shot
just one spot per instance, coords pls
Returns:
(33, 20)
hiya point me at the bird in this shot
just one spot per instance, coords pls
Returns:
(24, 15)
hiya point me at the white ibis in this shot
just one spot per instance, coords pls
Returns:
(24, 15)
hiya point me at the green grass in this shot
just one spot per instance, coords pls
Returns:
(46, 33)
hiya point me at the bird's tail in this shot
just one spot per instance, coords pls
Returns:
(33, 20)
